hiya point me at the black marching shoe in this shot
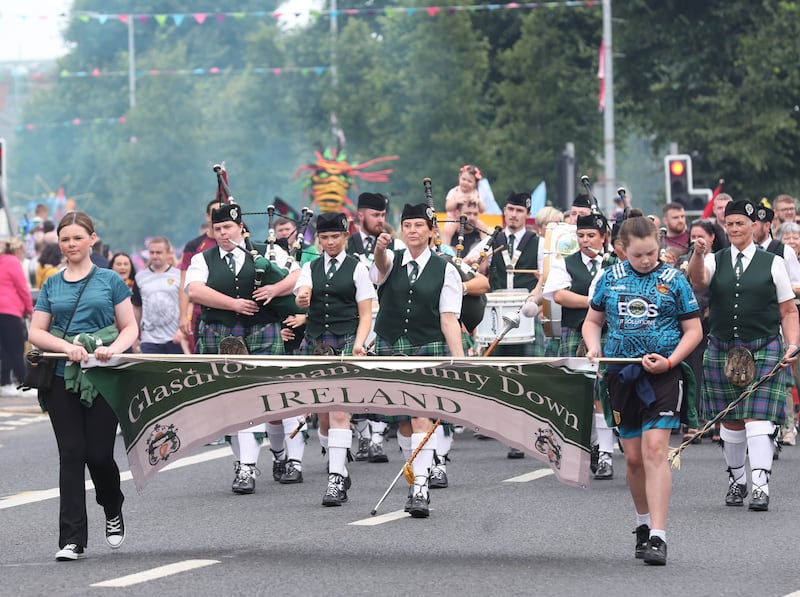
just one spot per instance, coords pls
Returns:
(594, 458)
(115, 531)
(336, 494)
(375, 453)
(245, 480)
(362, 453)
(278, 469)
(605, 471)
(513, 453)
(760, 500)
(642, 533)
(410, 497)
(292, 474)
(736, 492)
(655, 552)
(438, 478)
(419, 506)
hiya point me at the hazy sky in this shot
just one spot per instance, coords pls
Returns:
(30, 30)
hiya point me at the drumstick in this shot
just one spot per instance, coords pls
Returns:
(535, 272)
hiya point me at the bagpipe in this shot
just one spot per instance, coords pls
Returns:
(267, 269)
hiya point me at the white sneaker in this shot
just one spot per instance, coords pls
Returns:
(9, 390)
(69, 553)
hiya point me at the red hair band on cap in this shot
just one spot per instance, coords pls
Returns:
(472, 170)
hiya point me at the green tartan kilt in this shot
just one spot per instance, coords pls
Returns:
(260, 339)
(570, 339)
(341, 345)
(403, 347)
(767, 403)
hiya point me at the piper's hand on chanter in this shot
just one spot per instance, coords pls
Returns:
(655, 363)
(295, 321)
(264, 294)
(245, 307)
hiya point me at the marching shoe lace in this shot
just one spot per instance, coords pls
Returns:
(335, 485)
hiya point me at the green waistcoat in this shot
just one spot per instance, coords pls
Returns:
(581, 280)
(747, 307)
(221, 279)
(528, 259)
(411, 311)
(333, 302)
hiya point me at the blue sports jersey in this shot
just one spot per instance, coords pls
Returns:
(643, 311)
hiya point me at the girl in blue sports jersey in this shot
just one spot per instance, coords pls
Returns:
(652, 315)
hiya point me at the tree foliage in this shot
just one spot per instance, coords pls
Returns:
(504, 89)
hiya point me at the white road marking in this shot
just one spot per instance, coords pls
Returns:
(376, 520)
(544, 472)
(155, 573)
(30, 497)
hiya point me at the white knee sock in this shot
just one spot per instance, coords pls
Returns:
(323, 440)
(760, 448)
(245, 447)
(605, 435)
(734, 448)
(362, 428)
(443, 443)
(296, 446)
(339, 441)
(404, 441)
(377, 428)
(423, 462)
(276, 439)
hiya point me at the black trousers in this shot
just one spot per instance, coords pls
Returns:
(12, 349)
(85, 438)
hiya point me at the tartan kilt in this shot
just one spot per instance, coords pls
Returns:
(404, 347)
(260, 339)
(569, 341)
(767, 403)
(341, 345)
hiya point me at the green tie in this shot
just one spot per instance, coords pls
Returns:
(368, 249)
(738, 267)
(231, 262)
(593, 268)
(331, 269)
(511, 246)
(412, 276)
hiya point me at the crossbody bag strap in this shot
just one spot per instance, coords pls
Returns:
(78, 300)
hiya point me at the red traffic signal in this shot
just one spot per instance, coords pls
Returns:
(677, 168)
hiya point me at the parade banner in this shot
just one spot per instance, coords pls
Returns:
(170, 406)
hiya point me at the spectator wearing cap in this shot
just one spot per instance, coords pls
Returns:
(222, 280)
(750, 305)
(420, 302)
(338, 294)
(568, 284)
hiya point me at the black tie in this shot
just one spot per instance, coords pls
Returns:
(593, 268)
(231, 263)
(511, 246)
(331, 269)
(738, 268)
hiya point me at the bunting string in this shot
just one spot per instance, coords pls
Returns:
(214, 70)
(200, 18)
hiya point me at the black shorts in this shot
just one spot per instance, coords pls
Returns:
(632, 416)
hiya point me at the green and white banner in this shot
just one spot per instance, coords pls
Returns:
(168, 405)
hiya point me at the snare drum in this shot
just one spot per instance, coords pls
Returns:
(498, 304)
(560, 240)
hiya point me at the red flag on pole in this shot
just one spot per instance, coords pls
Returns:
(709, 209)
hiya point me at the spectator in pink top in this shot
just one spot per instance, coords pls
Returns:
(15, 305)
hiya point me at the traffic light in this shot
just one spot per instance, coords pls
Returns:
(678, 172)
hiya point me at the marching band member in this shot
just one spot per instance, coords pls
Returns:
(651, 313)
(371, 223)
(426, 289)
(338, 294)
(222, 280)
(750, 304)
(568, 285)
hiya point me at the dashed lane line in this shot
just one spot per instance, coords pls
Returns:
(544, 472)
(155, 573)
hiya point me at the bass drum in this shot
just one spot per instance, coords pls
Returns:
(560, 240)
